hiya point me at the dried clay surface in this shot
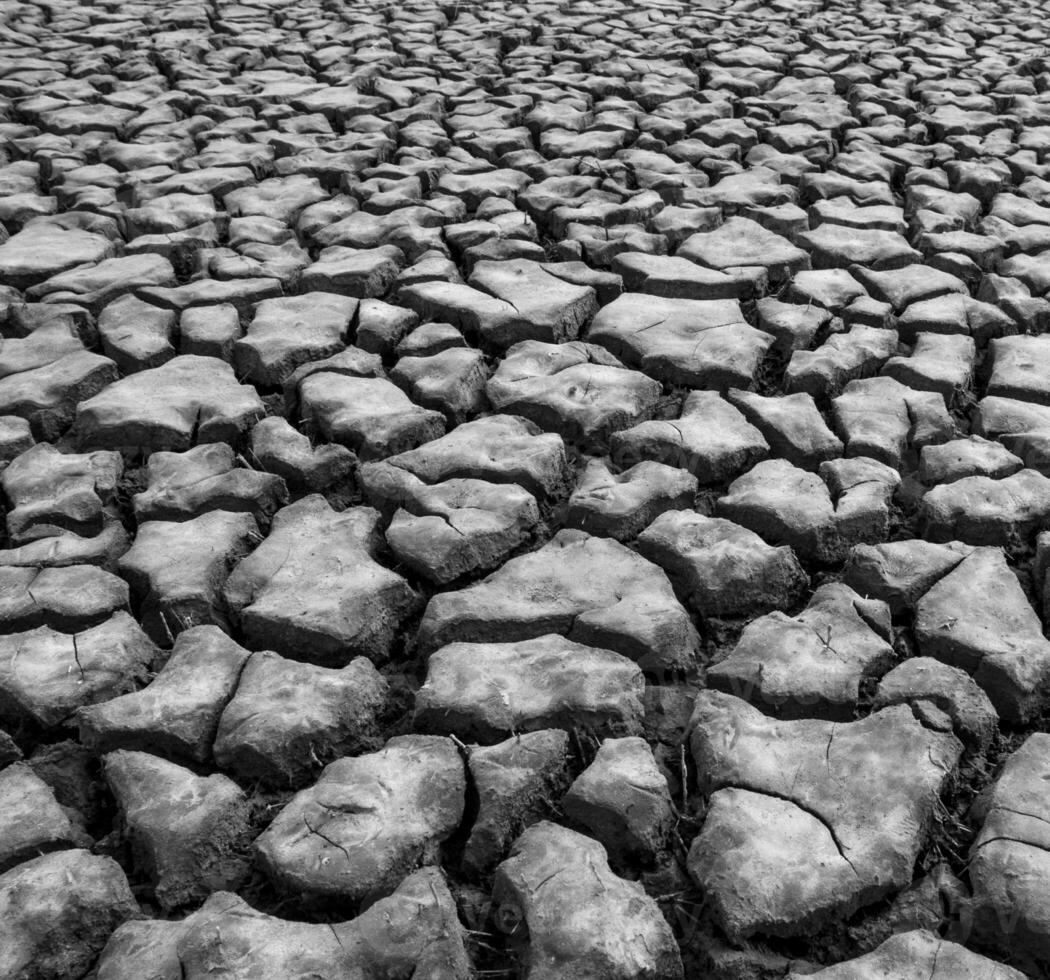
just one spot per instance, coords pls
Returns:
(542, 490)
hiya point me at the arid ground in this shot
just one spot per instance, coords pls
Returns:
(535, 490)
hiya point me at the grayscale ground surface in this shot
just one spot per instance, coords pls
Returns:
(544, 490)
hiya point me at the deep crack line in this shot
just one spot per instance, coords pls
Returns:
(815, 814)
(327, 839)
(76, 657)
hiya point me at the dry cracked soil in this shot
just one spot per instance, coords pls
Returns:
(544, 490)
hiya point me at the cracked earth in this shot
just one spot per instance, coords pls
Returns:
(543, 491)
